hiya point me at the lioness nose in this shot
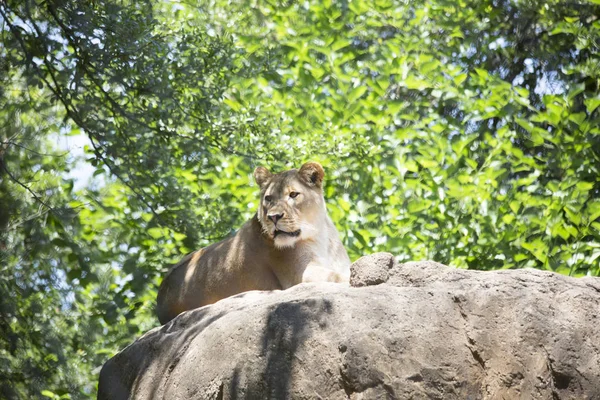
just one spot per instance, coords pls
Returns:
(275, 217)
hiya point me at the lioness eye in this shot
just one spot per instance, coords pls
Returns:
(293, 195)
(268, 198)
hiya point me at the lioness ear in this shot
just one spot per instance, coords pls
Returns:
(312, 173)
(262, 176)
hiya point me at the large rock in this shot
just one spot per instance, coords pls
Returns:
(416, 330)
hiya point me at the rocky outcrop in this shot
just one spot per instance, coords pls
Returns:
(416, 330)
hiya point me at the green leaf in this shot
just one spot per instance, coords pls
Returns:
(412, 82)
(592, 103)
(482, 73)
(574, 216)
(593, 210)
(340, 44)
(528, 126)
(538, 248)
(459, 79)
(356, 93)
(360, 238)
(156, 233)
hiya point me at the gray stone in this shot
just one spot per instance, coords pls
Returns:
(372, 269)
(428, 332)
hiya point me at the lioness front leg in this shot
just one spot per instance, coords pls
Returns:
(316, 273)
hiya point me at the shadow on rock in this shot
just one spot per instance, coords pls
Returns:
(287, 328)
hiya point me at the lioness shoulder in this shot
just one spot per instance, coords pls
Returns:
(290, 240)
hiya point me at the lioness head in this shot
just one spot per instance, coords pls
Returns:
(291, 203)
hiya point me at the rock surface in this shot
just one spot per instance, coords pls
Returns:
(416, 330)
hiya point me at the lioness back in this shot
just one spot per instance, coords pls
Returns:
(290, 240)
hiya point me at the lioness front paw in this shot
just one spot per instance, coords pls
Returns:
(321, 274)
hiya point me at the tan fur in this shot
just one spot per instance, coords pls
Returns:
(258, 258)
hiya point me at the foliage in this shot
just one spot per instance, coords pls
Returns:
(461, 131)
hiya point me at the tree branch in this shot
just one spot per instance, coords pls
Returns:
(54, 87)
(35, 196)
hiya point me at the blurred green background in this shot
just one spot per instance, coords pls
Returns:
(467, 132)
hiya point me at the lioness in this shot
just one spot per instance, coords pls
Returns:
(290, 240)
